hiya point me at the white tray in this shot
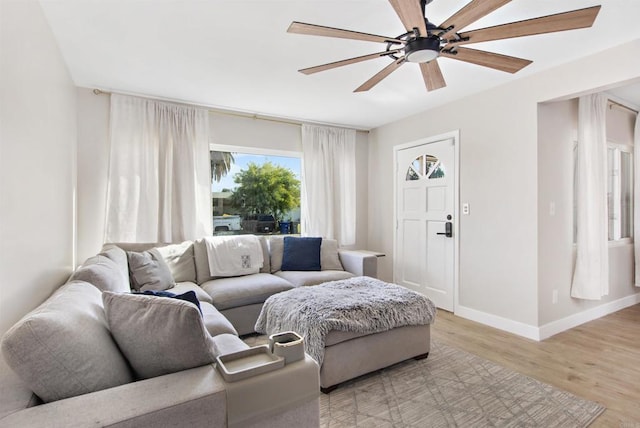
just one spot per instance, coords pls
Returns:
(248, 362)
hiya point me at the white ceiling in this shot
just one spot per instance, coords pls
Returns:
(236, 54)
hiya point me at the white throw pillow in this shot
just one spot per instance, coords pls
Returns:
(179, 259)
(158, 335)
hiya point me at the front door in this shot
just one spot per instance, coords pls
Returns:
(425, 250)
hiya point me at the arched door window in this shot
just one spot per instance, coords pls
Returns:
(425, 166)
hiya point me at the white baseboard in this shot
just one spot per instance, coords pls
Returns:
(550, 329)
(511, 326)
(575, 320)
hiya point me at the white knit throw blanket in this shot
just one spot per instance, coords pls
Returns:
(359, 305)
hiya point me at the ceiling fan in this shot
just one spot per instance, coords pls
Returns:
(424, 42)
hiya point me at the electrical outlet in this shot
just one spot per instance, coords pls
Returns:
(465, 208)
(554, 297)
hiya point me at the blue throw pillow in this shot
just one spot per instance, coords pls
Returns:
(301, 253)
(189, 296)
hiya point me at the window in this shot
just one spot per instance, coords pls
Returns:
(255, 191)
(425, 166)
(620, 191)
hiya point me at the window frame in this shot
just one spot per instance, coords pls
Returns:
(618, 149)
(260, 151)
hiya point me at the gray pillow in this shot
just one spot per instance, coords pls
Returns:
(149, 271)
(103, 273)
(266, 264)
(158, 335)
(63, 348)
(179, 259)
(329, 258)
(276, 251)
(202, 261)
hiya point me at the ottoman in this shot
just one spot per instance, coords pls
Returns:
(354, 326)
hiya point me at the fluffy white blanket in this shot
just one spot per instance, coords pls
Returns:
(234, 255)
(360, 305)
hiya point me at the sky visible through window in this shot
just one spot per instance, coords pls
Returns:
(243, 159)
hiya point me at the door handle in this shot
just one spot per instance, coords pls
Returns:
(448, 230)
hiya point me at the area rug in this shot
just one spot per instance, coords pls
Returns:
(452, 388)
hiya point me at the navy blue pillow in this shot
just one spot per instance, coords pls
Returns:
(189, 296)
(301, 253)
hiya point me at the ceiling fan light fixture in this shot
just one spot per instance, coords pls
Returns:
(422, 49)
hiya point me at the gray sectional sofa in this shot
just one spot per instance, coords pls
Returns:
(94, 355)
(239, 299)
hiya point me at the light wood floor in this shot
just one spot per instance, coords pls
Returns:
(599, 361)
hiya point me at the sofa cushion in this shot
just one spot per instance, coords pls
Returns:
(63, 348)
(149, 271)
(202, 261)
(183, 287)
(215, 322)
(301, 278)
(119, 257)
(179, 258)
(276, 250)
(158, 335)
(301, 254)
(228, 344)
(103, 273)
(237, 291)
(329, 257)
(266, 265)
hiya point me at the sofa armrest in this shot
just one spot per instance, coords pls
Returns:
(194, 397)
(293, 390)
(359, 263)
(14, 394)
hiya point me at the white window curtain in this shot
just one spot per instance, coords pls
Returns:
(159, 187)
(329, 183)
(636, 198)
(591, 273)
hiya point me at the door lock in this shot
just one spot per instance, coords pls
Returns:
(448, 230)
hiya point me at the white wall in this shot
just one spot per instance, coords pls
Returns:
(557, 132)
(226, 129)
(93, 164)
(498, 178)
(37, 161)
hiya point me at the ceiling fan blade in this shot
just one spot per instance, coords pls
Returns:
(469, 14)
(380, 75)
(432, 75)
(510, 64)
(410, 14)
(331, 65)
(573, 20)
(319, 30)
